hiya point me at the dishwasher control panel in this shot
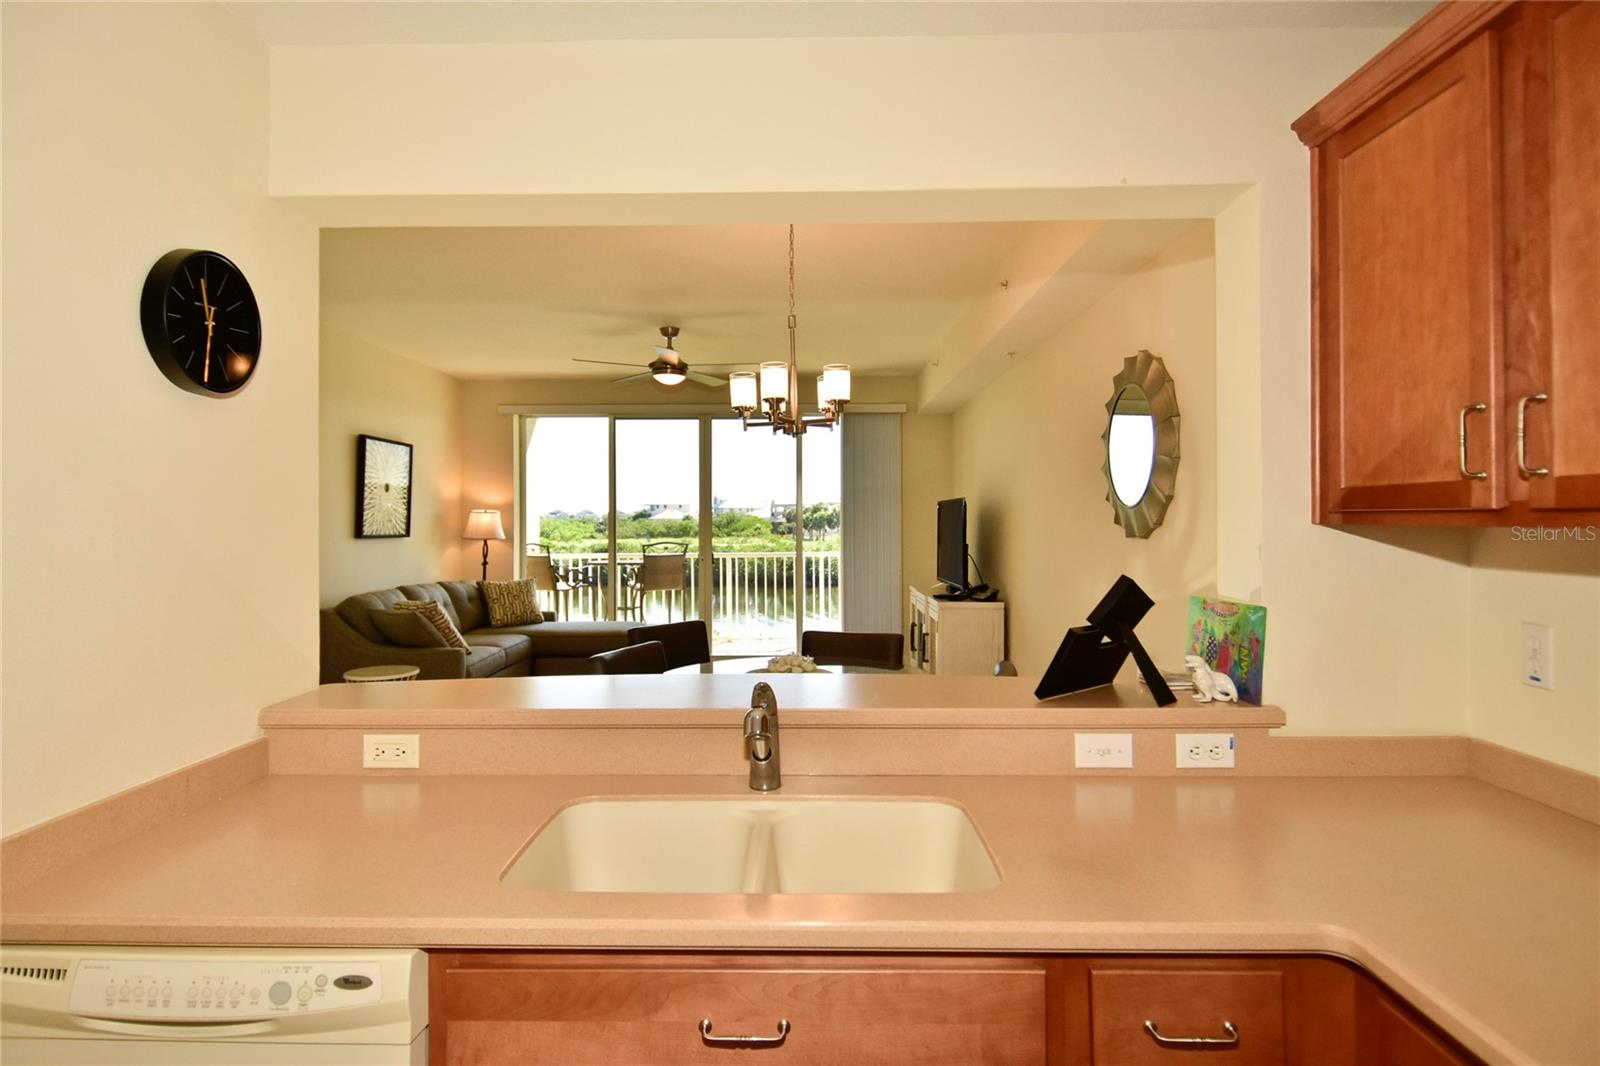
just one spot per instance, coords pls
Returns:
(182, 990)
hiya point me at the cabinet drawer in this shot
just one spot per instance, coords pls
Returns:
(875, 1013)
(1190, 1003)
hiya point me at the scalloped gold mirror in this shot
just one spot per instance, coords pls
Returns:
(1141, 464)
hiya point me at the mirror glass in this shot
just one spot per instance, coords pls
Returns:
(1131, 445)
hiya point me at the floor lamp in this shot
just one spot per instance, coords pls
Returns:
(484, 525)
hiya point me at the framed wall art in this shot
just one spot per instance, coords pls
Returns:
(383, 487)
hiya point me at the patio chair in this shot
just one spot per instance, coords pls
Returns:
(546, 578)
(883, 651)
(662, 567)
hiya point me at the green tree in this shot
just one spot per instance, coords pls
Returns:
(820, 518)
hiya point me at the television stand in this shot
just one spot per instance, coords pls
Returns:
(956, 635)
(978, 593)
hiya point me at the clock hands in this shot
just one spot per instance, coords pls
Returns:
(211, 325)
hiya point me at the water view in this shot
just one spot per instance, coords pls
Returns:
(774, 564)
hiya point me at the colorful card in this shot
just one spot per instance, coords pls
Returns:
(1232, 639)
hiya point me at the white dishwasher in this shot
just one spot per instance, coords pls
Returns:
(217, 1006)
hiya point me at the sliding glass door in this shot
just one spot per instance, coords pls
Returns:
(754, 608)
(657, 543)
(564, 513)
(652, 519)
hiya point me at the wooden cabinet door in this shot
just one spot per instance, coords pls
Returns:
(1406, 289)
(1238, 1014)
(1564, 429)
(592, 1010)
(1387, 1035)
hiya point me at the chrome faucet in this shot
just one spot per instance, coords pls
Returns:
(761, 739)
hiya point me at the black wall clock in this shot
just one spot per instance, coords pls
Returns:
(201, 322)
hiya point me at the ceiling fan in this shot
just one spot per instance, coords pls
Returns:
(668, 367)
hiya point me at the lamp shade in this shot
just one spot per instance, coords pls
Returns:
(774, 381)
(742, 390)
(835, 381)
(484, 525)
(668, 375)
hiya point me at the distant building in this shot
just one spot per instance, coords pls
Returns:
(722, 506)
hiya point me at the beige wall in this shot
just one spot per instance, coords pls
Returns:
(160, 549)
(369, 389)
(488, 447)
(1555, 583)
(927, 461)
(1028, 454)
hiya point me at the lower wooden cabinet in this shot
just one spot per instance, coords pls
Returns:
(589, 1010)
(586, 1009)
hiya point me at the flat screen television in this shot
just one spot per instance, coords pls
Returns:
(952, 555)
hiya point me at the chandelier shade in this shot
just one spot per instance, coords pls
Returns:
(777, 386)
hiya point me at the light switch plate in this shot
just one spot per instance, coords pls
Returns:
(1538, 655)
(1103, 750)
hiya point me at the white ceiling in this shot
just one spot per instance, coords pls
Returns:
(522, 302)
(339, 23)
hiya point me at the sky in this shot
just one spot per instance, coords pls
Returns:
(658, 463)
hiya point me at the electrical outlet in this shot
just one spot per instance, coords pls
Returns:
(1205, 751)
(1114, 750)
(389, 750)
(1538, 655)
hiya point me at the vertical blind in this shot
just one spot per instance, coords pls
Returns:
(871, 519)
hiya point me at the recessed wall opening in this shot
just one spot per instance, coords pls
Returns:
(516, 358)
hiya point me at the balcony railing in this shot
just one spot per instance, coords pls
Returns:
(752, 593)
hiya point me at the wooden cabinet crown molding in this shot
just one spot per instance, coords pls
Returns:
(1430, 38)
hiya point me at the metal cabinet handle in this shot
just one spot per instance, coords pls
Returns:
(743, 1041)
(1522, 436)
(1231, 1040)
(1461, 442)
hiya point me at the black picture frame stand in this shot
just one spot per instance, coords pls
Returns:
(1091, 655)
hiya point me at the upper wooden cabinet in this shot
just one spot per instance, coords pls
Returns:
(1564, 62)
(1456, 273)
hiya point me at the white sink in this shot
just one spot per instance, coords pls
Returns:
(758, 845)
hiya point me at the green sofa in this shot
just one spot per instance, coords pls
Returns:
(350, 638)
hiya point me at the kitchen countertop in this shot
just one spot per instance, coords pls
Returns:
(706, 700)
(1479, 906)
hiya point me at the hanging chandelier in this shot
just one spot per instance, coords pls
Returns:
(777, 387)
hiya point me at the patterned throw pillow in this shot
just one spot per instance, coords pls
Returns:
(408, 629)
(512, 603)
(435, 616)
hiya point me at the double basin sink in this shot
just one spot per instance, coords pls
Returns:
(758, 845)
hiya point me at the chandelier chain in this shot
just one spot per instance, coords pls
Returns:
(791, 270)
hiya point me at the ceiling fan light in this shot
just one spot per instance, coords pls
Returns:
(742, 392)
(774, 381)
(669, 375)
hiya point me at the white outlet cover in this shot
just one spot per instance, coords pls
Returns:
(1205, 751)
(390, 751)
(1103, 750)
(1538, 655)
